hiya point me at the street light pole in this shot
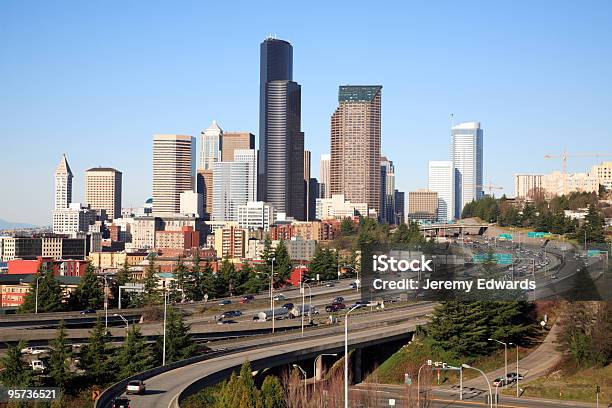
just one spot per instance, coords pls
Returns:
(271, 291)
(302, 314)
(419, 385)
(305, 377)
(127, 324)
(164, 344)
(505, 355)
(314, 371)
(517, 368)
(488, 383)
(105, 302)
(346, 356)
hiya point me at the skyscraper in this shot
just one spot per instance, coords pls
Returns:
(355, 145)
(324, 187)
(249, 156)
(281, 142)
(307, 156)
(400, 207)
(230, 189)
(103, 190)
(173, 171)
(204, 186)
(441, 180)
(467, 159)
(232, 141)
(210, 146)
(63, 184)
(387, 191)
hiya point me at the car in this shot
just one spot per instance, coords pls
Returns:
(288, 306)
(34, 350)
(248, 297)
(338, 299)
(121, 402)
(330, 284)
(353, 285)
(279, 297)
(135, 387)
(88, 311)
(225, 302)
(513, 377)
(333, 308)
(500, 382)
(245, 301)
(231, 313)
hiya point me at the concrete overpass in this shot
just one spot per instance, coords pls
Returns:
(170, 385)
(460, 228)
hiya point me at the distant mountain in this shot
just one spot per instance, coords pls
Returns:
(4, 224)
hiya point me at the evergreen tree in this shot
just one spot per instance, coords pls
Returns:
(194, 291)
(134, 356)
(151, 282)
(179, 344)
(229, 397)
(346, 226)
(50, 293)
(95, 357)
(282, 264)
(246, 389)
(121, 279)
(182, 282)
(14, 371)
(207, 282)
(224, 279)
(89, 293)
(272, 393)
(59, 361)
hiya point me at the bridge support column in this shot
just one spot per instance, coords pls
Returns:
(356, 364)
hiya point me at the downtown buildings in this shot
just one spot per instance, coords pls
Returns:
(103, 190)
(441, 179)
(281, 141)
(467, 156)
(355, 145)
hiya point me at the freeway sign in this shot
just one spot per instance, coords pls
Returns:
(594, 252)
(501, 259)
(505, 237)
(539, 234)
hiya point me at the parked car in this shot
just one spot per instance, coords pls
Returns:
(231, 313)
(225, 302)
(88, 311)
(288, 305)
(135, 387)
(121, 402)
(279, 297)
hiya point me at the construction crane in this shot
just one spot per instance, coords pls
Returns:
(565, 155)
(489, 187)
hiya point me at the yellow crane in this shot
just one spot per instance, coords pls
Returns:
(565, 155)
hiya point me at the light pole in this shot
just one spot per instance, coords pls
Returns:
(105, 302)
(517, 368)
(165, 312)
(309, 302)
(505, 355)
(127, 324)
(305, 377)
(314, 375)
(488, 383)
(271, 291)
(346, 355)
(36, 300)
(419, 384)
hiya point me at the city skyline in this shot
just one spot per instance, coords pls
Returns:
(410, 119)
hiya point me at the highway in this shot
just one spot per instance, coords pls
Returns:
(163, 390)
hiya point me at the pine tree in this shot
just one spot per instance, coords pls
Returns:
(182, 281)
(228, 396)
(96, 355)
(50, 293)
(207, 283)
(346, 227)
(134, 356)
(179, 344)
(282, 263)
(194, 291)
(151, 282)
(59, 361)
(272, 393)
(15, 372)
(121, 279)
(89, 293)
(246, 389)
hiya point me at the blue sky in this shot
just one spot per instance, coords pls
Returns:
(96, 80)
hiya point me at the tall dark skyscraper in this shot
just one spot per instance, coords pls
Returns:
(281, 141)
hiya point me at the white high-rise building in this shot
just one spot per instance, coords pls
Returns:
(74, 219)
(173, 171)
(441, 180)
(249, 156)
(230, 189)
(324, 190)
(467, 158)
(210, 146)
(255, 214)
(192, 204)
(63, 184)
(527, 185)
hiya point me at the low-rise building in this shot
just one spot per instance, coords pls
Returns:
(255, 215)
(185, 238)
(423, 205)
(338, 207)
(231, 241)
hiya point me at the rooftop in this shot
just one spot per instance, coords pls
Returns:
(103, 169)
(358, 93)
